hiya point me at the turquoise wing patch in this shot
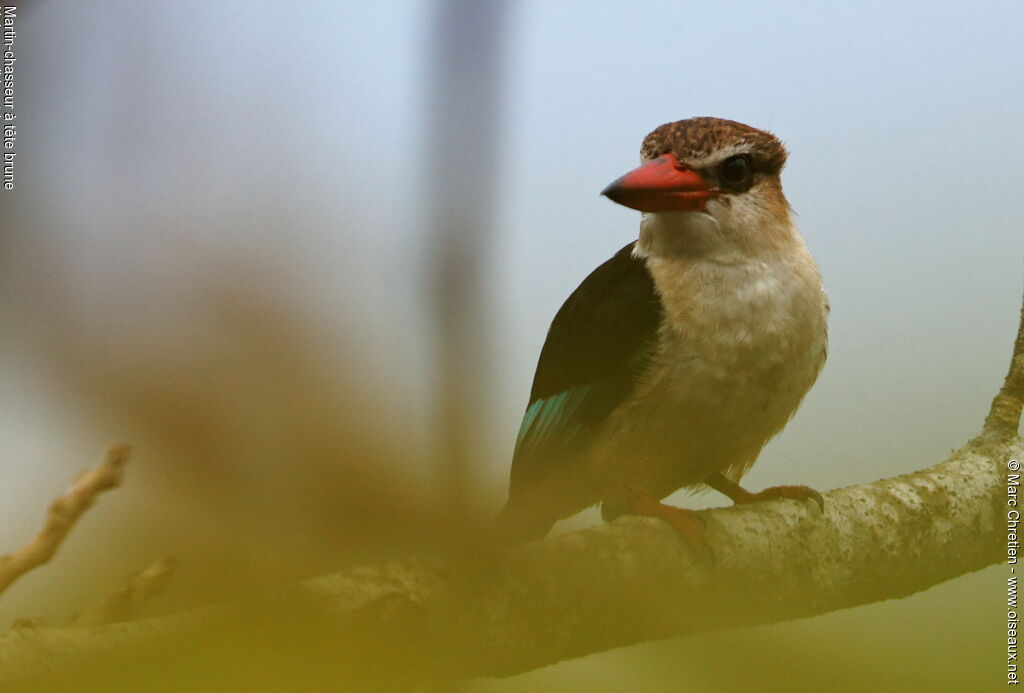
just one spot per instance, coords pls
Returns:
(555, 420)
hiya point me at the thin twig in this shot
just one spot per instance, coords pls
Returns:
(62, 516)
(1003, 418)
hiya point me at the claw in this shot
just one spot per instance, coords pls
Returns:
(687, 523)
(794, 492)
(816, 497)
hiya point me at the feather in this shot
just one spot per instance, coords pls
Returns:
(595, 352)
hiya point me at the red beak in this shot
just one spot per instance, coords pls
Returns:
(661, 185)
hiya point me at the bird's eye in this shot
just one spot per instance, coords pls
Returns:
(736, 171)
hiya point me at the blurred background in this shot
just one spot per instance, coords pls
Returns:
(277, 250)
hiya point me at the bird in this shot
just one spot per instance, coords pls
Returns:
(674, 362)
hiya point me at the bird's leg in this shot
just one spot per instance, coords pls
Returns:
(740, 495)
(687, 523)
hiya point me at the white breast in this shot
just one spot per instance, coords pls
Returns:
(742, 343)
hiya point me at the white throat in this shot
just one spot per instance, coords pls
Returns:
(678, 234)
(728, 234)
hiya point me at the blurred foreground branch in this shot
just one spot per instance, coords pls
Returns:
(63, 514)
(125, 602)
(463, 134)
(627, 582)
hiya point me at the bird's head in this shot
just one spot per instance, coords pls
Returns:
(708, 186)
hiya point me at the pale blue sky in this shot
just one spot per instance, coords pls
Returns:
(902, 123)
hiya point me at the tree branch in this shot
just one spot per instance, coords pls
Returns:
(62, 516)
(1003, 418)
(627, 582)
(124, 603)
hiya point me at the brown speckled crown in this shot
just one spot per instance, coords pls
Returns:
(696, 138)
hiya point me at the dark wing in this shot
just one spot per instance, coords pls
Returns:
(595, 351)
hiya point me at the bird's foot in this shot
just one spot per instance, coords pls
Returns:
(741, 496)
(776, 492)
(687, 523)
